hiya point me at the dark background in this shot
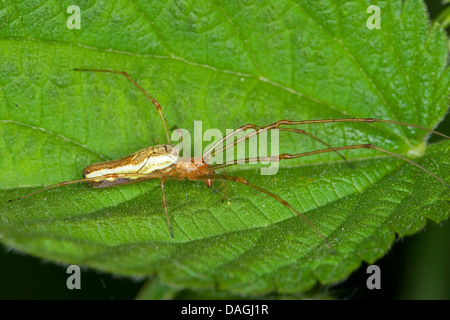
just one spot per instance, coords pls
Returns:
(415, 268)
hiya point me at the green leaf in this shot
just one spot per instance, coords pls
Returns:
(226, 64)
(444, 18)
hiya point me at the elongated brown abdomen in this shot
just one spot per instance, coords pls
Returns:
(144, 161)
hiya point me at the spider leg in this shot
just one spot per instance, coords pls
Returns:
(212, 152)
(165, 206)
(276, 197)
(223, 184)
(156, 103)
(285, 156)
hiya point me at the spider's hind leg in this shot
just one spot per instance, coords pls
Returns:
(223, 184)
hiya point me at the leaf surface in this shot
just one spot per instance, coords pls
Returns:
(225, 64)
